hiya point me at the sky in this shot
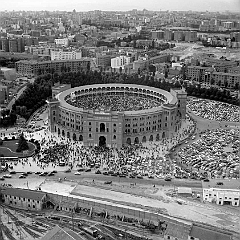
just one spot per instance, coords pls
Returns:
(120, 5)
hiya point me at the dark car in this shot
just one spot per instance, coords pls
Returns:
(51, 174)
(168, 179)
(12, 172)
(206, 180)
(88, 170)
(219, 183)
(2, 179)
(22, 176)
(67, 171)
(108, 182)
(105, 173)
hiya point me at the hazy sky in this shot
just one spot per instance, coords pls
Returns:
(118, 5)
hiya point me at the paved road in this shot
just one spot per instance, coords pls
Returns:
(9, 106)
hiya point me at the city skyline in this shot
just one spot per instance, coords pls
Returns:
(106, 5)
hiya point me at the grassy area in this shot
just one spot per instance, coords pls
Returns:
(8, 149)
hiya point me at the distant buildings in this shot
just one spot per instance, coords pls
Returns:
(34, 68)
(103, 60)
(120, 61)
(62, 42)
(65, 54)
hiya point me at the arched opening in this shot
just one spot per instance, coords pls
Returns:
(151, 138)
(102, 141)
(102, 127)
(81, 138)
(129, 141)
(59, 132)
(144, 139)
(55, 129)
(74, 137)
(68, 135)
(114, 137)
(136, 140)
(63, 133)
(157, 137)
(163, 135)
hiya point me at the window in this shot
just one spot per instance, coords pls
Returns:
(90, 135)
(28, 200)
(114, 137)
(33, 206)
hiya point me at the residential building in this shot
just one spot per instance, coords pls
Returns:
(33, 67)
(62, 41)
(157, 34)
(178, 35)
(120, 61)
(103, 60)
(3, 93)
(24, 198)
(222, 191)
(196, 73)
(227, 80)
(190, 36)
(65, 54)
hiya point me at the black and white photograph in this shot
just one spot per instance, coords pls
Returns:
(120, 120)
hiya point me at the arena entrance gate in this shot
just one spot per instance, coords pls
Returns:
(102, 141)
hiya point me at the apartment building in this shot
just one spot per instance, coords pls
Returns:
(120, 61)
(228, 80)
(221, 65)
(65, 54)
(196, 73)
(190, 36)
(62, 41)
(33, 67)
(103, 60)
(157, 34)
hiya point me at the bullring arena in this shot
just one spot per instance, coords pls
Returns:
(114, 115)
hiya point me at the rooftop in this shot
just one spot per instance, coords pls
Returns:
(206, 233)
(24, 193)
(58, 233)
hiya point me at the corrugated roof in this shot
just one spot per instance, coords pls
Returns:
(184, 190)
(58, 233)
(24, 193)
(178, 230)
(204, 233)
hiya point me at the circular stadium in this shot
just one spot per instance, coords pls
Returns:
(113, 115)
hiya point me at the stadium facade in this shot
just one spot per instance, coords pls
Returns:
(104, 127)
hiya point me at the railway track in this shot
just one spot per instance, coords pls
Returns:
(7, 232)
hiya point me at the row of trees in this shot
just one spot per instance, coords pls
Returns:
(211, 93)
(33, 97)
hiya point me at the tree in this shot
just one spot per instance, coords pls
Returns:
(22, 144)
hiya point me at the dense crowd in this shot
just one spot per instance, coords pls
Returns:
(114, 102)
(216, 152)
(213, 110)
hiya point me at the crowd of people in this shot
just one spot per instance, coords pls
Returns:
(215, 152)
(214, 110)
(114, 102)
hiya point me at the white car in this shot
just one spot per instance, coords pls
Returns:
(77, 173)
(7, 176)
